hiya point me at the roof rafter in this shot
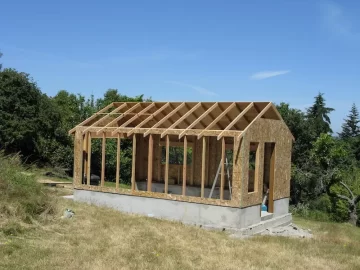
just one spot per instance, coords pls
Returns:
(215, 105)
(165, 118)
(163, 107)
(106, 116)
(267, 107)
(217, 119)
(91, 117)
(119, 117)
(177, 113)
(237, 118)
(137, 115)
(182, 118)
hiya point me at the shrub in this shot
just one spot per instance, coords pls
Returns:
(22, 199)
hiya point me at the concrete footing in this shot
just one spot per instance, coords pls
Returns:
(247, 220)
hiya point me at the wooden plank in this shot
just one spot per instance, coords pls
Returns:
(217, 119)
(207, 112)
(165, 118)
(150, 162)
(137, 115)
(83, 123)
(118, 151)
(167, 164)
(222, 179)
(106, 117)
(181, 118)
(133, 163)
(149, 118)
(256, 118)
(236, 119)
(88, 169)
(184, 167)
(203, 166)
(103, 160)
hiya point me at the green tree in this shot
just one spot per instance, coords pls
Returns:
(333, 158)
(20, 101)
(318, 115)
(0, 63)
(351, 128)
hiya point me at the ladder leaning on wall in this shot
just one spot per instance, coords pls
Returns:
(217, 176)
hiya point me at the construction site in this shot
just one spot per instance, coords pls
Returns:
(231, 171)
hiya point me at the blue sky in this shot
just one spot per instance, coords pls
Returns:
(279, 50)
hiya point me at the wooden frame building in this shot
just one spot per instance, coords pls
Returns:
(231, 152)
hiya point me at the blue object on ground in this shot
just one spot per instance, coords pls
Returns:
(263, 207)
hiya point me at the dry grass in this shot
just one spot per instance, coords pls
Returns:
(100, 238)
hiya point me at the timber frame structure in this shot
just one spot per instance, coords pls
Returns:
(212, 130)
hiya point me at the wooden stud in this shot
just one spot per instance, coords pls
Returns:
(133, 163)
(236, 119)
(272, 180)
(167, 164)
(181, 118)
(165, 118)
(192, 163)
(184, 167)
(103, 160)
(85, 151)
(203, 167)
(150, 162)
(217, 119)
(88, 169)
(118, 151)
(199, 119)
(222, 179)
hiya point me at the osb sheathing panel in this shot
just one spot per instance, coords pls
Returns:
(261, 131)
(158, 195)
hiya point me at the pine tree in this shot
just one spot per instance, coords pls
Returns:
(351, 128)
(318, 114)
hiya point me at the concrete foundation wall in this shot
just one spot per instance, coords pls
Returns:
(189, 213)
(281, 207)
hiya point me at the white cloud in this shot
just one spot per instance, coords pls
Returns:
(337, 21)
(268, 74)
(199, 89)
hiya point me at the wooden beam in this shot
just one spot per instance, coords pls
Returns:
(256, 118)
(88, 169)
(199, 119)
(217, 119)
(203, 166)
(181, 118)
(105, 117)
(123, 115)
(137, 115)
(150, 162)
(236, 119)
(149, 118)
(103, 160)
(165, 118)
(118, 151)
(85, 151)
(192, 163)
(91, 118)
(133, 163)
(167, 164)
(184, 167)
(272, 180)
(222, 179)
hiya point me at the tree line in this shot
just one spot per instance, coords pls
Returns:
(325, 180)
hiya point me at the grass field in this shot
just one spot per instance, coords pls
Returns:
(100, 238)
